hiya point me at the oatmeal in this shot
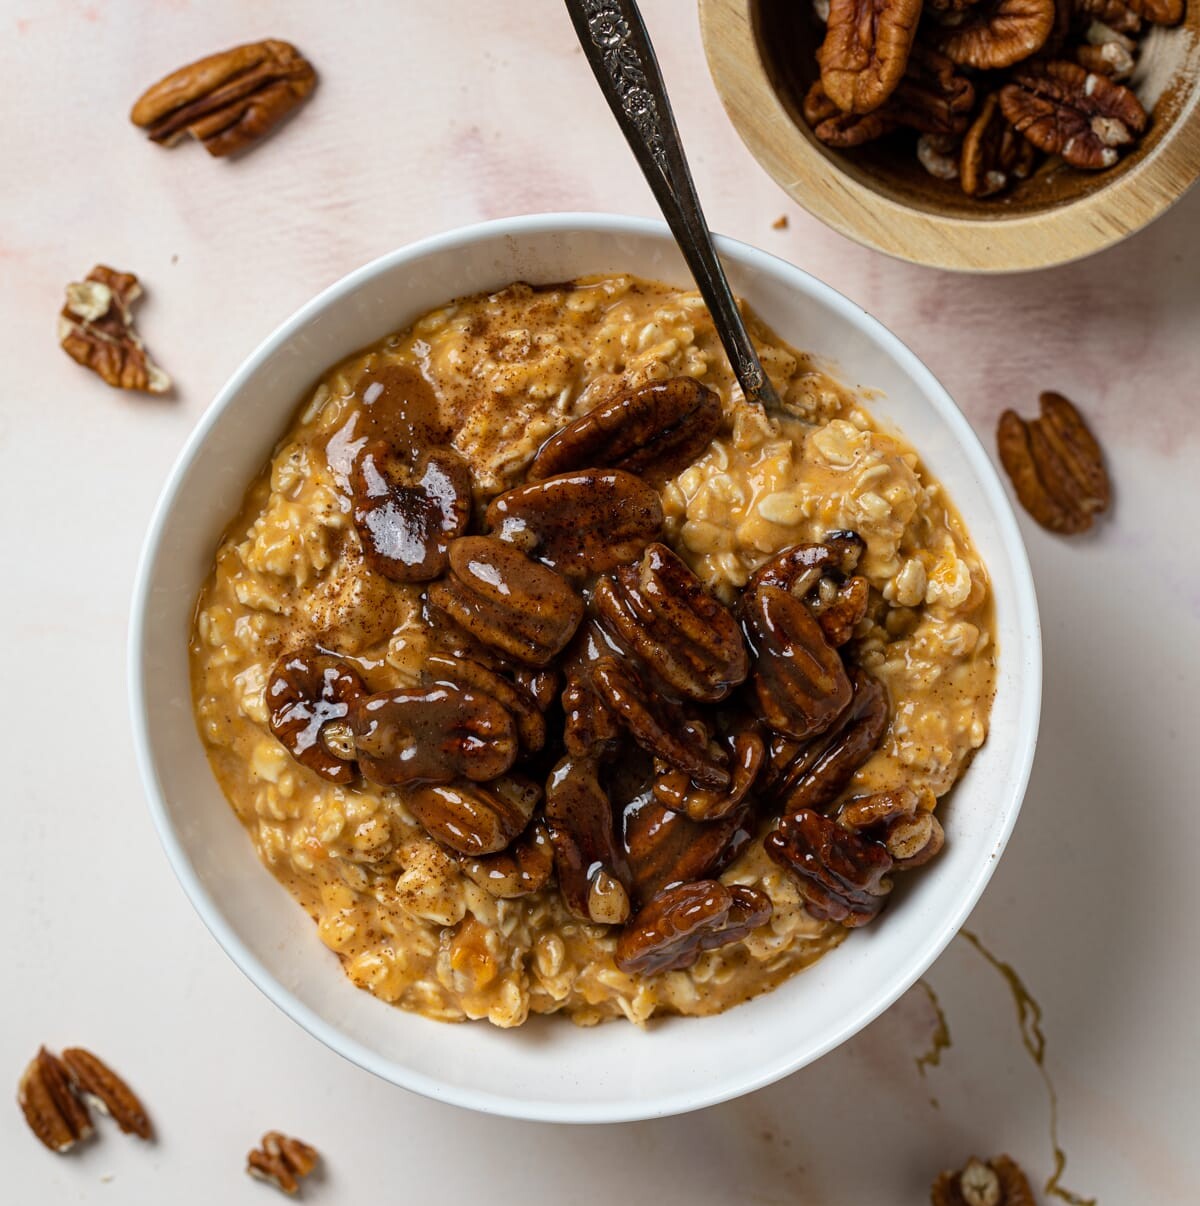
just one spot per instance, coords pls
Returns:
(549, 675)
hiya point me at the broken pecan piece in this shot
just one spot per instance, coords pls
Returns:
(475, 818)
(579, 523)
(842, 877)
(525, 867)
(998, 33)
(282, 1160)
(227, 100)
(1055, 465)
(1065, 110)
(95, 328)
(674, 789)
(310, 696)
(837, 129)
(902, 819)
(995, 1182)
(867, 44)
(55, 1115)
(407, 515)
(993, 153)
(678, 925)
(99, 1085)
(507, 601)
(1159, 12)
(663, 613)
(653, 430)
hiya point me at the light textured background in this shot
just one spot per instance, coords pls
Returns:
(429, 116)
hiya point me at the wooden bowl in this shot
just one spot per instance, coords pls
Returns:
(762, 57)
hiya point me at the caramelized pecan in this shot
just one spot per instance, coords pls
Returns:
(674, 789)
(867, 44)
(662, 612)
(433, 734)
(1056, 465)
(282, 1160)
(55, 1115)
(507, 601)
(672, 931)
(475, 818)
(902, 819)
(525, 867)
(589, 727)
(838, 129)
(995, 1182)
(998, 33)
(310, 696)
(993, 153)
(842, 877)
(464, 672)
(227, 100)
(579, 523)
(542, 686)
(653, 430)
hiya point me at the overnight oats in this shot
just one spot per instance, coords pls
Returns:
(549, 675)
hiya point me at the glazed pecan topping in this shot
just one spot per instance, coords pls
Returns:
(517, 700)
(542, 686)
(98, 1084)
(407, 515)
(475, 818)
(55, 1115)
(579, 523)
(1065, 110)
(652, 430)
(506, 601)
(838, 129)
(902, 819)
(842, 877)
(993, 153)
(674, 788)
(525, 867)
(663, 613)
(433, 734)
(589, 726)
(1056, 465)
(799, 680)
(310, 696)
(995, 1182)
(227, 100)
(672, 931)
(998, 33)
(282, 1160)
(866, 47)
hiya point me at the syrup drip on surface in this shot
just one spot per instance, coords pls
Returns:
(939, 1040)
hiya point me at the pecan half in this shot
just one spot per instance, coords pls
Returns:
(902, 819)
(227, 100)
(1159, 12)
(507, 601)
(995, 1182)
(674, 788)
(993, 153)
(1055, 465)
(1065, 110)
(933, 97)
(520, 704)
(55, 1115)
(1106, 52)
(475, 818)
(525, 867)
(99, 1085)
(653, 430)
(406, 516)
(95, 328)
(998, 33)
(842, 877)
(663, 613)
(282, 1160)
(938, 155)
(837, 129)
(799, 680)
(310, 696)
(672, 931)
(589, 727)
(1116, 14)
(579, 523)
(433, 734)
(866, 47)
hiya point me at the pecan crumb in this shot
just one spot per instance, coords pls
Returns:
(282, 1161)
(780, 223)
(995, 1182)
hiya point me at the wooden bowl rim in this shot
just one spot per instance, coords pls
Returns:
(1003, 243)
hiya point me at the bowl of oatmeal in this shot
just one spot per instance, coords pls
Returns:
(493, 662)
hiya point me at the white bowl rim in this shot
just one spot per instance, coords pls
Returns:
(525, 1108)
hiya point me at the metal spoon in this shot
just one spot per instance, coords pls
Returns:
(615, 43)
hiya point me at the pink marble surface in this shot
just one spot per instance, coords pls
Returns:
(427, 117)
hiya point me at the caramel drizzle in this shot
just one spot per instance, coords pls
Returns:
(939, 1040)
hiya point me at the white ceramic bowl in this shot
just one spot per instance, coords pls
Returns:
(550, 1069)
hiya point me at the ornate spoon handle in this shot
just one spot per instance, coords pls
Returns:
(616, 44)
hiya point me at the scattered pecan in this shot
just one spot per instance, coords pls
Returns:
(866, 47)
(678, 925)
(799, 680)
(227, 100)
(902, 819)
(55, 1115)
(993, 153)
(520, 704)
(592, 873)
(310, 696)
(998, 33)
(1065, 110)
(95, 328)
(579, 523)
(837, 129)
(99, 1085)
(406, 515)
(674, 788)
(652, 430)
(663, 613)
(282, 1160)
(1055, 464)
(995, 1182)
(475, 818)
(525, 867)
(842, 877)
(507, 601)
(434, 733)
